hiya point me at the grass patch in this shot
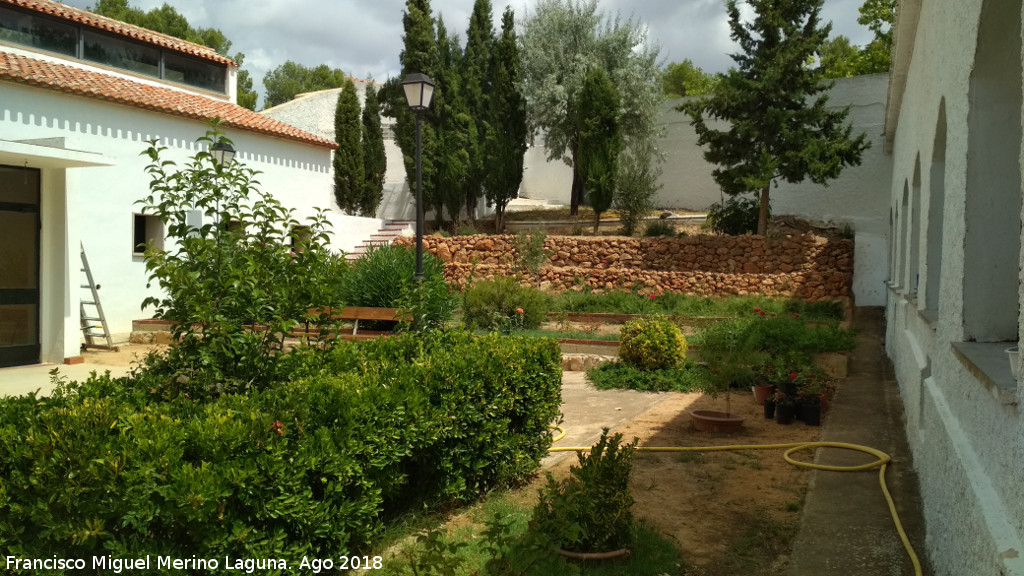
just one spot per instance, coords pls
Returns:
(756, 550)
(496, 541)
(616, 375)
(569, 335)
(673, 304)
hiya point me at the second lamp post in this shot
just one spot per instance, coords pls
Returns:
(419, 89)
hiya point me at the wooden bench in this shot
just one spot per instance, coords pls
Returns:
(356, 313)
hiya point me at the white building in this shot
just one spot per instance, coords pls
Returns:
(953, 122)
(80, 97)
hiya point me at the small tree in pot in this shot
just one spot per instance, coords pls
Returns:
(727, 348)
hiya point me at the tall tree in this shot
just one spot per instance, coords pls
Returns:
(686, 79)
(838, 58)
(455, 130)
(419, 55)
(878, 16)
(476, 90)
(562, 41)
(375, 161)
(775, 105)
(290, 79)
(507, 132)
(348, 158)
(167, 20)
(637, 182)
(600, 140)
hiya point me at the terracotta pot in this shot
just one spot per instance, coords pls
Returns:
(711, 421)
(762, 392)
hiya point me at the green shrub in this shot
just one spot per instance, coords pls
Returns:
(591, 510)
(503, 304)
(689, 377)
(652, 343)
(659, 228)
(529, 251)
(384, 277)
(736, 216)
(312, 467)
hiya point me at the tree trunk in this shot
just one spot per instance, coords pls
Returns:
(499, 219)
(762, 216)
(597, 222)
(577, 192)
(471, 200)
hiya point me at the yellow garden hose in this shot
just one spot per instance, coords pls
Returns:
(881, 463)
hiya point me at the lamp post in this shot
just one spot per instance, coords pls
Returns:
(222, 152)
(419, 89)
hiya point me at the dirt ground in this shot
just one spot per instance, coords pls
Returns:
(732, 512)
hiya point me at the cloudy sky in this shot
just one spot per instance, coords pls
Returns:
(364, 37)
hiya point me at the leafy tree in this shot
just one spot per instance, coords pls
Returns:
(561, 43)
(167, 20)
(878, 16)
(838, 58)
(476, 89)
(600, 140)
(507, 134)
(291, 79)
(375, 161)
(686, 79)
(776, 106)
(419, 55)
(639, 171)
(348, 158)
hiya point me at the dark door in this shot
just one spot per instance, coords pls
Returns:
(19, 266)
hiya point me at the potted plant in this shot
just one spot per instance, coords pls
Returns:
(769, 407)
(785, 408)
(727, 350)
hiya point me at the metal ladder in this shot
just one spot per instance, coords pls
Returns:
(89, 325)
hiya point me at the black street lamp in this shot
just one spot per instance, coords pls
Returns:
(419, 89)
(222, 152)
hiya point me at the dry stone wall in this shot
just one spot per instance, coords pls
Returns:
(799, 265)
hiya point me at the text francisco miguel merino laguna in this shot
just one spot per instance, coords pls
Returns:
(116, 565)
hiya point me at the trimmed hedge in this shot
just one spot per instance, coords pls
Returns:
(311, 467)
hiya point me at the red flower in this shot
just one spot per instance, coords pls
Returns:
(277, 427)
(773, 314)
(762, 313)
(653, 296)
(519, 310)
(792, 376)
(604, 261)
(796, 315)
(811, 376)
(758, 310)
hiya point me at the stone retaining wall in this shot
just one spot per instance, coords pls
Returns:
(799, 265)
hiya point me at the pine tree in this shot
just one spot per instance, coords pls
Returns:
(775, 106)
(506, 138)
(348, 158)
(419, 55)
(600, 141)
(476, 88)
(375, 161)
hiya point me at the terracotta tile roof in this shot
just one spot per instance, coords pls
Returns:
(62, 78)
(85, 18)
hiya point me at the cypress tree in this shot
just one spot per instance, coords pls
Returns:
(600, 135)
(775, 106)
(419, 55)
(375, 161)
(455, 129)
(348, 158)
(476, 89)
(506, 138)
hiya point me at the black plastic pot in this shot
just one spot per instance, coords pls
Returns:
(787, 387)
(785, 413)
(769, 409)
(810, 411)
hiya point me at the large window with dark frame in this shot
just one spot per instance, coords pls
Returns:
(53, 35)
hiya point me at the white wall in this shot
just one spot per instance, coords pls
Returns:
(100, 200)
(963, 410)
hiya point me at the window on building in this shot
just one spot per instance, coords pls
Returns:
(195, 72)
(147, 231)
(936, 214)
(120, 53)
(38, 32)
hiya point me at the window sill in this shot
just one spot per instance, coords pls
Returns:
(930, 316)
(988, 363)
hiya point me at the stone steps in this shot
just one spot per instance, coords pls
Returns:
(386, 235)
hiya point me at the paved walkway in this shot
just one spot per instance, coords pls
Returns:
(846, 528)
